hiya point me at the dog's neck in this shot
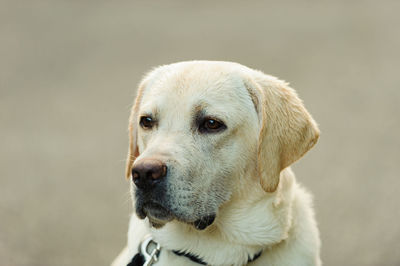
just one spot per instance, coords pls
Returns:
(245, 225)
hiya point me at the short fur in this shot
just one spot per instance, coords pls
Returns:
(241, 174)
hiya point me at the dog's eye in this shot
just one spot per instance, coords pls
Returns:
(146, 122)
(210, 125)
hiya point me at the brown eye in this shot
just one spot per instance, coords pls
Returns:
(210, 125)
(146, 122)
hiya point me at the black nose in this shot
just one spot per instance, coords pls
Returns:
(148, 172)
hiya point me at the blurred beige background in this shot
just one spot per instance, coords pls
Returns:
(68, 73)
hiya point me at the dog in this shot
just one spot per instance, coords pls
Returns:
(211, 144)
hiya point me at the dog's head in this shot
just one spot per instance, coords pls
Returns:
(198, 127)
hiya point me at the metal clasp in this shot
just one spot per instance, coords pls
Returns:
(150, 250)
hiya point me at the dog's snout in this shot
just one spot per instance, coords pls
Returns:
(147, 172)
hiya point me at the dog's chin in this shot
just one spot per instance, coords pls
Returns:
(158, 215)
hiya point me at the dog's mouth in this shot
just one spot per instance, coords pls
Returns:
(158, 216)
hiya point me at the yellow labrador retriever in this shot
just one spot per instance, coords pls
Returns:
(210, 148)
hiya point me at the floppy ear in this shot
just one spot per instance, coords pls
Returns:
(287, 130)
(133, 151)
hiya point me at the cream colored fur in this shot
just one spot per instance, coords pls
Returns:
(259, 204)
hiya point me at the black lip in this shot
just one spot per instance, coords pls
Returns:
(140, 213)
(204, 222)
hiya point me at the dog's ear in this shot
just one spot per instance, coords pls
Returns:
(133, 151)
(287, 130)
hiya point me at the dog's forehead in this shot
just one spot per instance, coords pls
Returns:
(192, 86)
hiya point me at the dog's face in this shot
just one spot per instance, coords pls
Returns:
(196, 129)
